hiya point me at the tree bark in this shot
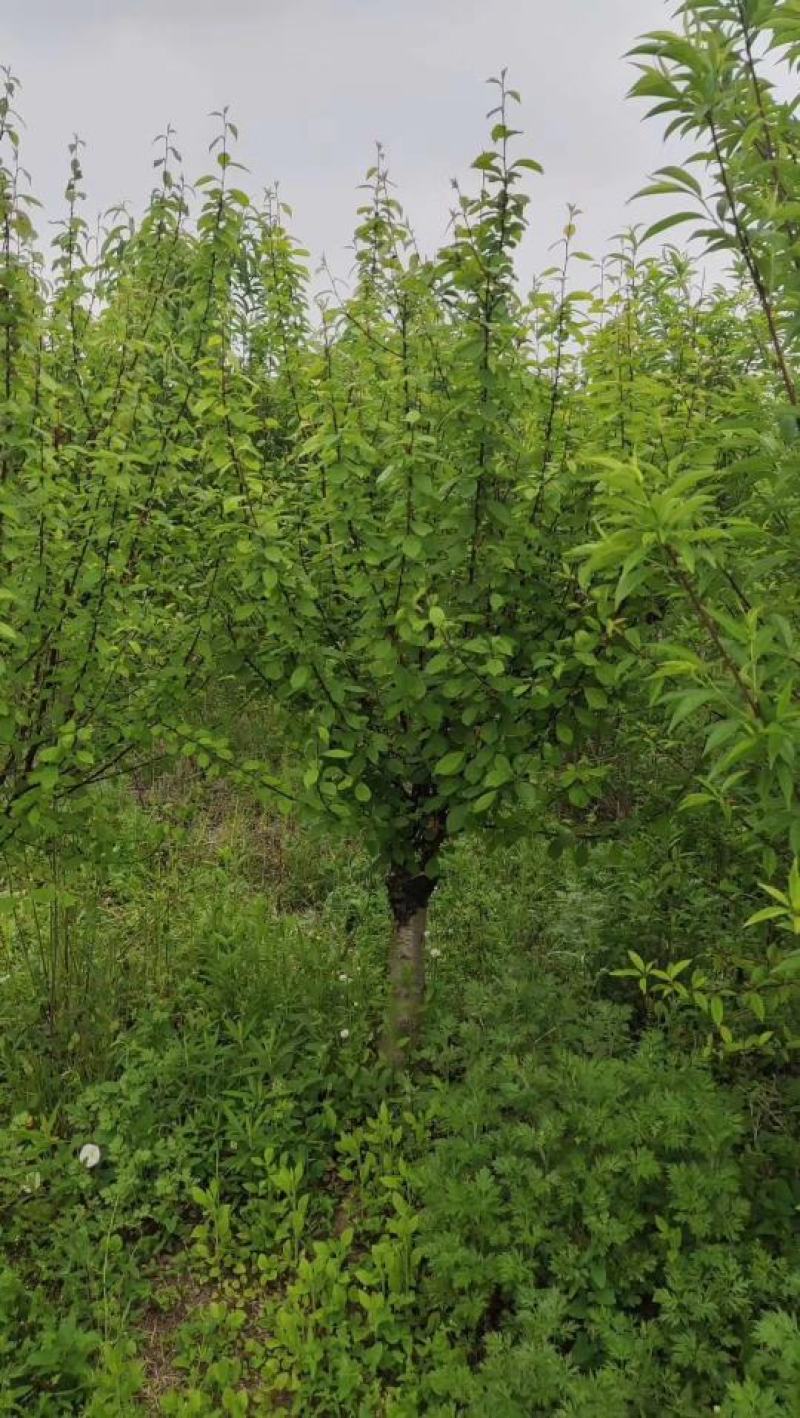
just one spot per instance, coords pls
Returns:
(409, 895)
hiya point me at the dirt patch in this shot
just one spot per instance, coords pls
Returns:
(177, 1297)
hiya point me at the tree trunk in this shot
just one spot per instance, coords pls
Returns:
(409, 895)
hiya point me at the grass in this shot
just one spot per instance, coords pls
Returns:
(562, 1210)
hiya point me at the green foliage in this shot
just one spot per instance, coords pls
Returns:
(321, 600)
(558, 1205)
(99, 463)
(703, 516)
(401, 575)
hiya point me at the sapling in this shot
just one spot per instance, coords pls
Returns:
(705, 514)
(100, 589)
(399, 579)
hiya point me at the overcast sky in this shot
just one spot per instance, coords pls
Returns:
(312, 84)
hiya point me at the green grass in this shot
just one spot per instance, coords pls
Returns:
(562, 1210)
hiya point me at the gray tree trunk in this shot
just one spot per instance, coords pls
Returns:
(408, 895)
(406, 987)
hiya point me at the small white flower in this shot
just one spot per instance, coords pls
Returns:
(344, 979)
(435, 953)
(89, 1154)
(344, 1033)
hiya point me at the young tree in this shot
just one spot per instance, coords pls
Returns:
(400, 580)
(97, 482)
(710, 525)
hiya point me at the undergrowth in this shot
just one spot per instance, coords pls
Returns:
(563, 1209)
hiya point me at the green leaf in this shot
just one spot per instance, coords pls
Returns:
(789, 967)
(450, 764)
(688, 703)
(487, 162)
(667, 222)
(483, 803)
(500, 773)
(300, 677)
(686, 179)
(596, 698)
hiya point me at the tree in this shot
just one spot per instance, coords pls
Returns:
(710, 525)
(397, 576)
(98, 457)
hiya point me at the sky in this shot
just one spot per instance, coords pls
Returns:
(313, 84)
